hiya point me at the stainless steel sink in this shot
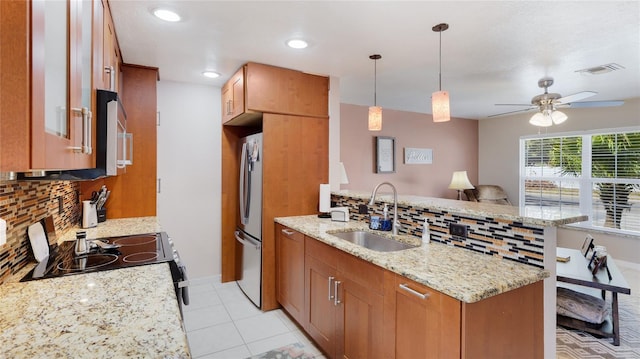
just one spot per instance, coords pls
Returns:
(372, 241)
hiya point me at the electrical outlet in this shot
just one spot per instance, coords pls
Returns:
(3, 231)
(458, 230)
(363, 209)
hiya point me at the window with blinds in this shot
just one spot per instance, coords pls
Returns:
(593, 174)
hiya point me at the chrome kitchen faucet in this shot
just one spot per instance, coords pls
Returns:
(396, 223)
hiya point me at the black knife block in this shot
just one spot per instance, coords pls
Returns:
(102, 215)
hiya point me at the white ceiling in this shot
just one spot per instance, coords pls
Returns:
(494, 52)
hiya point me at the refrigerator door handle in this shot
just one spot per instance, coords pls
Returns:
(245, 185)
(247, 241)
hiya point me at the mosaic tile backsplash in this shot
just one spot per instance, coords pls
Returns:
(510, 240)
(25, 202)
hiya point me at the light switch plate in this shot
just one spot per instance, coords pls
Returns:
(3, 231)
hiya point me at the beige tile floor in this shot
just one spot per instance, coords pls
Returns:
(222, 323)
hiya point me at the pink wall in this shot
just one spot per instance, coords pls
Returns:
(454, 145)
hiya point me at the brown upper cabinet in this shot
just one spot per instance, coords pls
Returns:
(47, 91)
(257, 88)
(107, 57)
(233, 96)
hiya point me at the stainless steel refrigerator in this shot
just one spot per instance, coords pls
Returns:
(249, 231)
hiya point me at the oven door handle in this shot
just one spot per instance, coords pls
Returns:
(183, 284)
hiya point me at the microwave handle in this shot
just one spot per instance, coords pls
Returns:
(122, 163)
(127, 151)
(129, 140)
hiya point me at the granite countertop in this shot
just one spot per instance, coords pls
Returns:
(546, 218)
(462, 274)
(130, 312)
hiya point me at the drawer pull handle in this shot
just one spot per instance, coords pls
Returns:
(416, 293)
(336, 299)
(330, 288)
(287, 232)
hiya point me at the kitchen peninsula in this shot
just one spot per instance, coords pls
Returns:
(494, 273)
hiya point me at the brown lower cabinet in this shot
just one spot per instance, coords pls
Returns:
(354, 309)
(290, 272)
(419, 321)
(344, 302)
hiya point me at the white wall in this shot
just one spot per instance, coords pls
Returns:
(498, 160)
(189, 163)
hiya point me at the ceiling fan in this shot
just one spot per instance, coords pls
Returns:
(548, 103)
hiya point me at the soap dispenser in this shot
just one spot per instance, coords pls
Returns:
(386, 221)
(426, 235)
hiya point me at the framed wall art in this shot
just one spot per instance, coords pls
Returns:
(385, 154)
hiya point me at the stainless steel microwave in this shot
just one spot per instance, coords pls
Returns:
(114, 146)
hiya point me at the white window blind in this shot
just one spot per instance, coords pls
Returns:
(594, 174)
(615, 178)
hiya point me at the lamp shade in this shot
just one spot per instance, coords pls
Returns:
(343, 175)
(440, 106)
(540, 119)
(558, 117)
(460, 181)
(375, 118)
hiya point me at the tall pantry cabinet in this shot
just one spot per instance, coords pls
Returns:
(291, 109)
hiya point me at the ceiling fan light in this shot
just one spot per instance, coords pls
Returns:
(558, 117)
(375, 118)
(540, 120)
(440, 106)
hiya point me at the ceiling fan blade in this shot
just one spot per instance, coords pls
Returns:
(513, 104)
(587, 104)
(576, 97)
(510, 112)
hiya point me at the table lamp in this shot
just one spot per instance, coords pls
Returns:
(460, 182)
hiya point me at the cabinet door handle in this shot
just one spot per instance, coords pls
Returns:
(112, 77)
(330, 288)
(85, 147)
(230, 107)
(87, 116)
(336, 299)
(414, 292)
(287, 232)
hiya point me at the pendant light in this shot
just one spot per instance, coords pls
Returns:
(375, 112)
(440, 99)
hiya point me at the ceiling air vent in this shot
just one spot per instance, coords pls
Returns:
(602, 69)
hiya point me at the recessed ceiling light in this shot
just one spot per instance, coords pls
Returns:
(297, 44)
(211, 74)
(166, 15)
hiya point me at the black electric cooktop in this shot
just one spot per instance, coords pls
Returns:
(133, 250)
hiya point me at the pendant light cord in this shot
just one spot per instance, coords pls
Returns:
(440, 28)
(375, 58)
(440, 62)
(375, 81)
